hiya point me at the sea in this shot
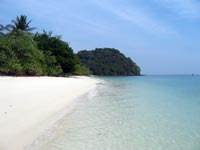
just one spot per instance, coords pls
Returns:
(132, 113)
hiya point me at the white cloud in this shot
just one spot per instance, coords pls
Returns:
(63, 14)
(94, 26)
(136, 16)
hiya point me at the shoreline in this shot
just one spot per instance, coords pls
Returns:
(46, 135)
(31, 105)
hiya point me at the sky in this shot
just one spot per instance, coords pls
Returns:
(161, 36)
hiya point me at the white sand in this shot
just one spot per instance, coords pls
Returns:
(29, 105)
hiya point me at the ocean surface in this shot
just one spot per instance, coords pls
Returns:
(132, 113)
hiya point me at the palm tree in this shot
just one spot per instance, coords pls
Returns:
(5, 29)
(1, 29)
(21, 23)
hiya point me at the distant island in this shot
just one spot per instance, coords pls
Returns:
(23, 53)
(108, 62)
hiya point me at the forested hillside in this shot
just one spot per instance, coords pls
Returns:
(108, 61)
(23, 52)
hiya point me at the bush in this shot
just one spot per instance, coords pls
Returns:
(59, 49)
(19, 54)
(80, 69)
(50, 65)
(9, 64)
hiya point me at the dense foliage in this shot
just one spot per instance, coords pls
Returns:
(58, 51)
(19, 55)
(25, 53)
(108, 61)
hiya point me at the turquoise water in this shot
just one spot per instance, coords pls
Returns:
(133, 113)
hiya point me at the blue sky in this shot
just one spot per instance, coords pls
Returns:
(162, 36)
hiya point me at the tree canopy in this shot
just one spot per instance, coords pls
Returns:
(54, 46)
(19, 55)
(26, 53)
(21, 23)
(5, 29)
(108, 61)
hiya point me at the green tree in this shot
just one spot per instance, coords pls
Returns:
(9, 64)
(61, 50)
(108, 61)
(22, 53)
(50, 65)
(5, 29)
(1, 29)
(21, 23)
(19, 55)
(81, 69)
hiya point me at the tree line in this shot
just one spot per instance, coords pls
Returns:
(108, 61)
(25, 53)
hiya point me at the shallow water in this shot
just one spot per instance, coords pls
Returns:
(126, 113)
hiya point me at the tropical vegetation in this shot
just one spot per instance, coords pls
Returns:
(25, 53)
(21, 23)
(108, 61)
(36, 54)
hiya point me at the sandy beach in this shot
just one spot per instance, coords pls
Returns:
(29, 105)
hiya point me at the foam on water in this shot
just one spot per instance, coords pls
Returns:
(126, 113)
